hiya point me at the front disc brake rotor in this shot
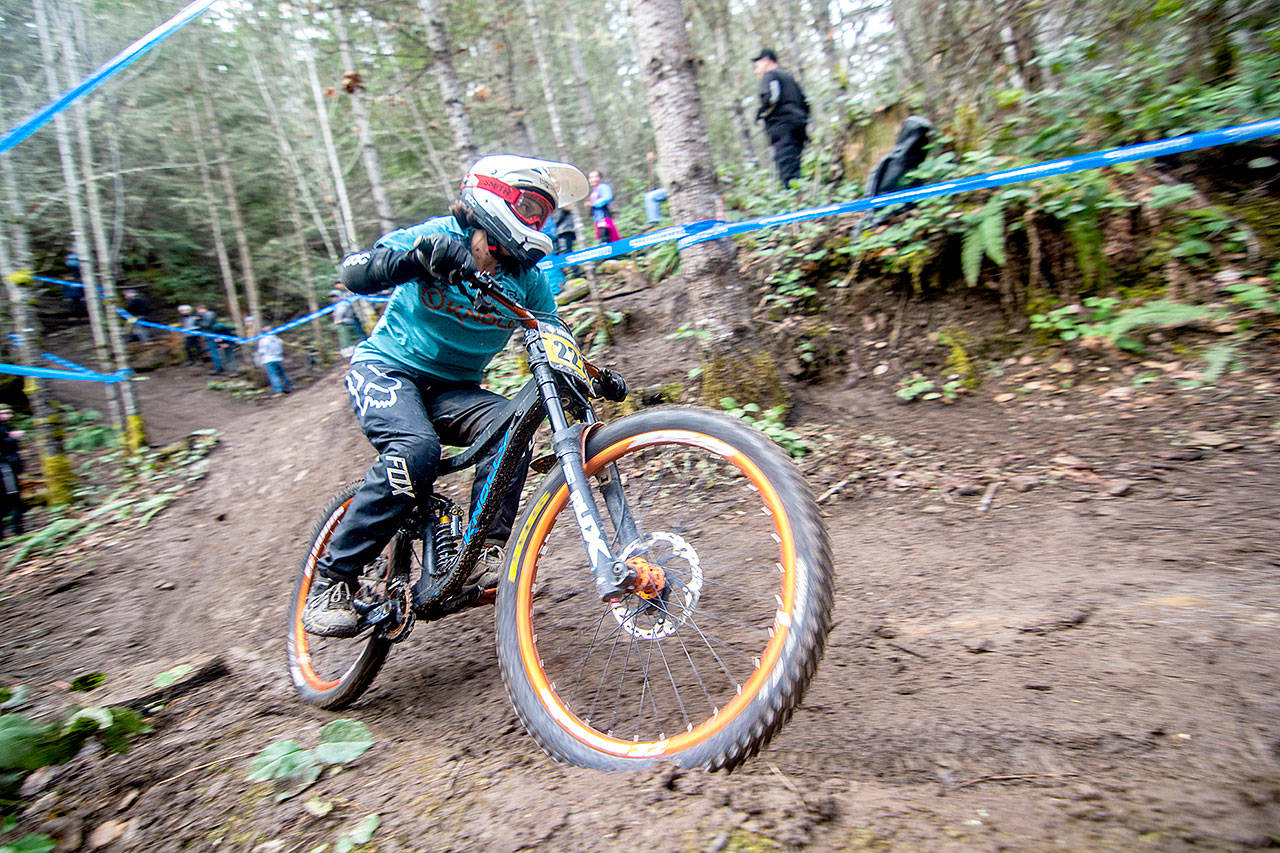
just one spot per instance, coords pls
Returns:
(667, 589)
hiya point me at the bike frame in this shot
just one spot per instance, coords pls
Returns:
(540, 397)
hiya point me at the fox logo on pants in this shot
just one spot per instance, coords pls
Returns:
(398, 476)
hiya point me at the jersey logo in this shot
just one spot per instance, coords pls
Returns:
(359, 259)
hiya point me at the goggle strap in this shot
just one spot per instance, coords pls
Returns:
(501, 189)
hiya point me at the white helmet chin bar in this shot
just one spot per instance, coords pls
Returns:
(561, 183)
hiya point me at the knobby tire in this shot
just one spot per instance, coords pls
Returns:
(332, 690)
(704, 673)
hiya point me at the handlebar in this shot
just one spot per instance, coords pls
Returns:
(486, 293)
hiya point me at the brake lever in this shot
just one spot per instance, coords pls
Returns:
(479, 300)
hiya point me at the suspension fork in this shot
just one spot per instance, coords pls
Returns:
(615, 499)
(612, 576)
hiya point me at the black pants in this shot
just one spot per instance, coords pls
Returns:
(407, 416)
(787, 140)
(10, 498)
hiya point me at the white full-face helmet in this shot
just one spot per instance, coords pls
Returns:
(510, 197)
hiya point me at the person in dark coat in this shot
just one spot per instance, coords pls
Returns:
(140, 307)
(10, 471)
(785, 113)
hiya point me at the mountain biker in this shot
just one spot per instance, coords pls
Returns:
(415, 382)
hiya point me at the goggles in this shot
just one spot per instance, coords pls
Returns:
(531, 206)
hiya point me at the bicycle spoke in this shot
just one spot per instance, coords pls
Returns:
(667, 664)
(675, 688)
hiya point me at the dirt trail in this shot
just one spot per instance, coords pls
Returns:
(1090, 663)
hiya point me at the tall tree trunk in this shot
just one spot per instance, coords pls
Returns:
(120, 204)
(833, 71)
(504, 56)
(15, 268)
(443, 176)
(290, 157)
(75, 203)
(135, 435)
(455, 109)
(582, 81)
(233, 207)
(718, 19)
(350, 242)
(553, 112)
(353, 85)
(716, 295)
(304, 263)
(211, 205)
(1022, 27)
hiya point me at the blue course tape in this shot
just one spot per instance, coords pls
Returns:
(118, 63)
(1062, 166)
(80, 374)
(292, 324)
(69, 365)
(700, 232)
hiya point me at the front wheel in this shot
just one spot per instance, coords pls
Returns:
(708, 655)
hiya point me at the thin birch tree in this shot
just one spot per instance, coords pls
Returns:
(15, 268)
(211, 207)
(135, 434)
(231, 194)
(350, 242)
(290, 157)
(353, 85)
(75, 205)
(451, 92)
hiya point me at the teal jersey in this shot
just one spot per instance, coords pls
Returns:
(432, 328)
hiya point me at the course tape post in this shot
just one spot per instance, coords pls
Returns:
(113, 66)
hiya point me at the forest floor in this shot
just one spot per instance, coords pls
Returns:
(1057, 621)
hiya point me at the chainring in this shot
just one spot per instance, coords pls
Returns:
(399, 623)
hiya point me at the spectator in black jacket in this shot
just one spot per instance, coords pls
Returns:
(10, 470)
(785, 112)
(140, 307)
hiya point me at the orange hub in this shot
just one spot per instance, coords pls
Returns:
(650, 579)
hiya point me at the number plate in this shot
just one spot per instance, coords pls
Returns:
(563, 352)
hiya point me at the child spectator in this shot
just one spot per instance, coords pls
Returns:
(269, 355)
(190, 342)
(601, 196)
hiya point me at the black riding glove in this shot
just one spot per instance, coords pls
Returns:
(611, 385)
(445, 259)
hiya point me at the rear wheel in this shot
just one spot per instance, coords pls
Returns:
(710, 652)
(331, 672)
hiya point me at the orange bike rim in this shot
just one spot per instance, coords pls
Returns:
(543, 522)
(302, 656)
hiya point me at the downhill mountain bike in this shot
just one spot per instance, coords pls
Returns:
(666, 594)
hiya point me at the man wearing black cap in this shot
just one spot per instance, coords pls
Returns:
(785, 112)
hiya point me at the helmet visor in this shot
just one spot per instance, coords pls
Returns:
(530, 206)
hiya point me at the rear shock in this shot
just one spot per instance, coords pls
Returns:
(448, 533)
